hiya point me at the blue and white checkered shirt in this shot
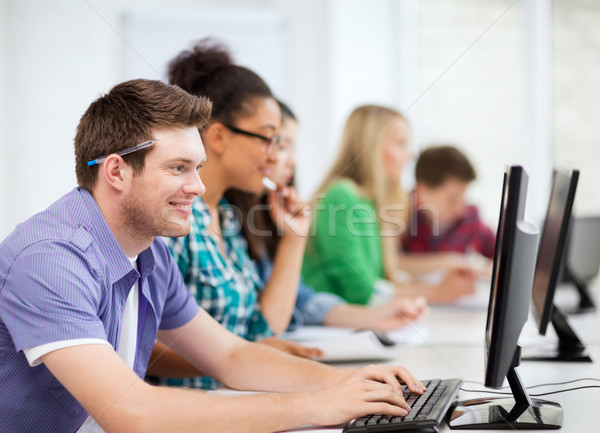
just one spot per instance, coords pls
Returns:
(227, 286)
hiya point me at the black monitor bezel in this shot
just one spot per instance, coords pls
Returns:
(510, 297)
(512, 209)
(543, 313)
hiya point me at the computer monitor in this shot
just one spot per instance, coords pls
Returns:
(582, 260)
(510, 296)
(550, 261)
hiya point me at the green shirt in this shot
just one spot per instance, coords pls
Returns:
(344, 254)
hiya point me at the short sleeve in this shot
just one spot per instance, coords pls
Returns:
(52, 292)
(180, 306)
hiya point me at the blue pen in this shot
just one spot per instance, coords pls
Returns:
(123, 152)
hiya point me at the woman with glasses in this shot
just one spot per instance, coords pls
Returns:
(361, 210)
(242, 147)
(311, 308)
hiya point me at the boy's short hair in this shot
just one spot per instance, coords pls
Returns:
(126, 116)
(438, 164)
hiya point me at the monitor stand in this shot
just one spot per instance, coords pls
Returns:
(586, 303)
(569, 348)
(519, 412)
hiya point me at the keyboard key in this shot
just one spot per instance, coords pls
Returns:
(428, 410)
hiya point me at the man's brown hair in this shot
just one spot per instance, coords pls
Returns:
(438, 164)
(126, 116)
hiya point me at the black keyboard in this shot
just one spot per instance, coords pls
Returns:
(427, 410)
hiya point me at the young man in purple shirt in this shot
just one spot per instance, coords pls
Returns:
(85, 288)
(442, 224)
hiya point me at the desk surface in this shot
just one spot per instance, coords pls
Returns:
(453, 347)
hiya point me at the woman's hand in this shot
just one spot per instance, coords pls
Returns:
(291, 347)
(457, 283)
(291, 215)
(393, 314)
(398, 312)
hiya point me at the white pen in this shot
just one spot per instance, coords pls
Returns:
(269, 184)
(272, 186)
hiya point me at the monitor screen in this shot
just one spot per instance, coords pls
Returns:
(510, 293)
(550, 263)
(582, 260)
(512, 281)
(552, 241)
(583, 255)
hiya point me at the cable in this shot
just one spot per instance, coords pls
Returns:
(564, 390)
(486, 391)
(593, 379)
(537, 386)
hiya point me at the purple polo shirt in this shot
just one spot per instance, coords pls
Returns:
(64, 276)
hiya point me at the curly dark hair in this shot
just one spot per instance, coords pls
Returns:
(208, 70)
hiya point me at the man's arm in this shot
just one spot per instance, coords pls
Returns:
(121, 402)
(228, 358)
(165, 362)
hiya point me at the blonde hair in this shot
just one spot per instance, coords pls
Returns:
(360, 160)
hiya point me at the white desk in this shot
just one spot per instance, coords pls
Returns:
(453, 347)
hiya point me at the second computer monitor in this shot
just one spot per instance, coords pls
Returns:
(582, 260)
(552, 245)
(550, 261)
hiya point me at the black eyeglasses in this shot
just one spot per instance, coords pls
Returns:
(271, 142)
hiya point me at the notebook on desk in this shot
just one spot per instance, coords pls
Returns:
(353, 347)
(348, 345)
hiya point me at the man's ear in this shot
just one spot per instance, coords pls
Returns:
(420, 187)
(214, 138)
(424, 192)
(115, 172)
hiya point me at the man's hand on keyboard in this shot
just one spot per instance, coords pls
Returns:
(371, 389)
(390, 374)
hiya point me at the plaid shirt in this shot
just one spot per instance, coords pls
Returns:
(466, 235)
(227, 287)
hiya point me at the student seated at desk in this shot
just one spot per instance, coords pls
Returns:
(242, 147)
(442, 227)
(360, 210)
(86, 288)
(262, 234)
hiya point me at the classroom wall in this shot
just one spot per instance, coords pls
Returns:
(458, 68)
(576, 66)
(60, 55)
(472, 75)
